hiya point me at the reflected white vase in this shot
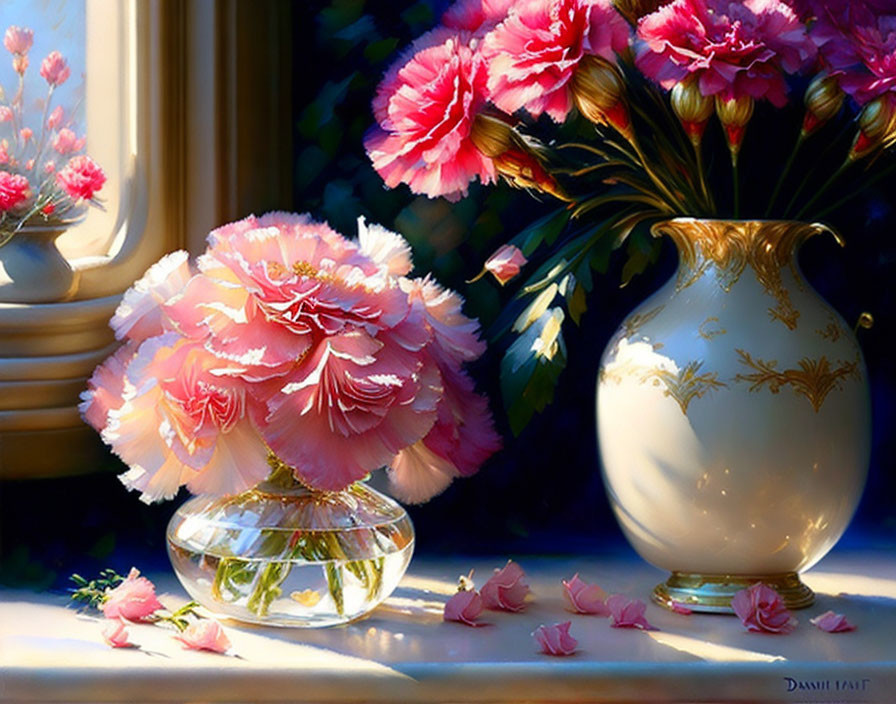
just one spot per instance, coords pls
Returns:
(33, 270)
(734, 417)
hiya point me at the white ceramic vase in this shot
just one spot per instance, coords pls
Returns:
(734, 417)
(32, 269)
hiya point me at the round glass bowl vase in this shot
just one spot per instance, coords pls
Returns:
(285, 555)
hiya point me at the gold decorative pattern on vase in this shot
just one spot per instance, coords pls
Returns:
(832, 331)
(707, 331)
(633, 324)
(814, 378)
(732, 245)
(687, 384)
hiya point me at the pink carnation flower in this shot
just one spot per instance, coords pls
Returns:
(186, 418)
(55, 69)
(205, 634)
(20, 63)
(761, 609)
(505, 263)
(134, 599)
(584, 598)
(67, 142)
(425, 111)
(627, 613)
(857, 43)
(26, 133)
(14, 190)
(5, 114)
(533, 54)
(506, 590)
(464, 607)
(556, 640)
(734, 48)
(18, 40)
(832, 623)
(105, 387)
(81, 178)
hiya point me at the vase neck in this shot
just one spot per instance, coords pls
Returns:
(729, 246)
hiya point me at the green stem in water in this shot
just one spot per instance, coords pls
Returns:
(333, 572)
(784, 173)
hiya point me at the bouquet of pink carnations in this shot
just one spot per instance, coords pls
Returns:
(290, 345)
(778, 109)
(36, 187)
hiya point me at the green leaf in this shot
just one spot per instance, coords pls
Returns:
(641, 252)
(378, 51)
(576, 303)
(544, 230)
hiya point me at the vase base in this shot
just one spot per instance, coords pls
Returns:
(712, 593)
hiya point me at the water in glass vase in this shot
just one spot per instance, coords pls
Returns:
(289, 556)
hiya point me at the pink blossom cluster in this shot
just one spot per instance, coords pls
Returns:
(32, 183)
(487, 55)
(292, 339)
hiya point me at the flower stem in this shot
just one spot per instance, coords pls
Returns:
(735, 176)
(784, 173)
(701, 176)
(883, 173)
(833, 177)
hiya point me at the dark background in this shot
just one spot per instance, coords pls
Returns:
(541, 494)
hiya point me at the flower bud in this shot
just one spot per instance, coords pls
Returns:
(824, 98)
(691, 107)
(877, 127)
(599, 92)
(521, 168)
(734, 114)
(491, 135)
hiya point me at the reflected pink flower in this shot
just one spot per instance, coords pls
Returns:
(679, 608)
(186, 418)
(134, 599)
(55, 69)
(556, 640)
(26, 133)
(478, 16)
(20, 64)
(533, 54)
(761, 609)
(81, 178)
(14, 190)
(116, 635)
(735, 49)
(506, 590)
(48, 209)
(141, 315)
(425, 111)
(67, 142)
(505, 263)
(627, 613)
(5, 114)
(832, 623)
(49, 167)
(585, 598)
(464, 607)
(56, 117)
(18, 40)
(4, 152)
(205, 634)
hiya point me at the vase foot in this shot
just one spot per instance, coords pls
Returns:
(712, 593)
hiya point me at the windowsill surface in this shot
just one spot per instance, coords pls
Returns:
(404, 652)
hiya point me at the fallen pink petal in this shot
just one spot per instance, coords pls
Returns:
(506, 590)
(628, 613)
(556, 640)
(205, 635)
(832, 623)
(464, 607)
(761, 609)
(116, 635)
(505, 263)
(584, 598)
